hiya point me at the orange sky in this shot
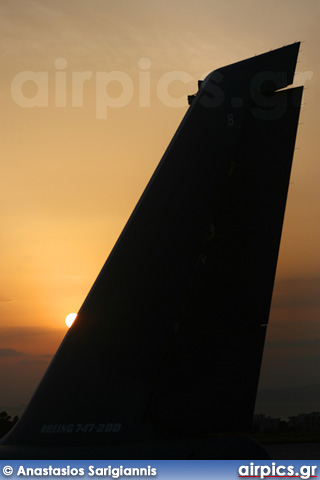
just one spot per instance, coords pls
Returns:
(71, 175)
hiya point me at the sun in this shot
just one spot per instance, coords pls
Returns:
(70, 319)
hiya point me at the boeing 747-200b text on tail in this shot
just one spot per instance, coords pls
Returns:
(164, 357)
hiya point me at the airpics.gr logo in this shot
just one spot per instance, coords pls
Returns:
(277, 471)
(67, 87)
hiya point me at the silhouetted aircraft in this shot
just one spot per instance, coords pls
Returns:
(163, 360)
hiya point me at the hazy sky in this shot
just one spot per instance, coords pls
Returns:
(77, 151)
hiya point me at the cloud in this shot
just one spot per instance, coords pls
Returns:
(29, 342)
(17, 358)
(288, 400)
(9, 333)
(43, 360)
(4, 298)
(297, 293)
(296, 343)
(9, 352)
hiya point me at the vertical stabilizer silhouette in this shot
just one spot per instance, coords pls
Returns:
(167, 346)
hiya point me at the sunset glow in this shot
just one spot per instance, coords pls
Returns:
(87, 115)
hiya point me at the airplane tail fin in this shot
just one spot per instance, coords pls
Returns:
(170, 338)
